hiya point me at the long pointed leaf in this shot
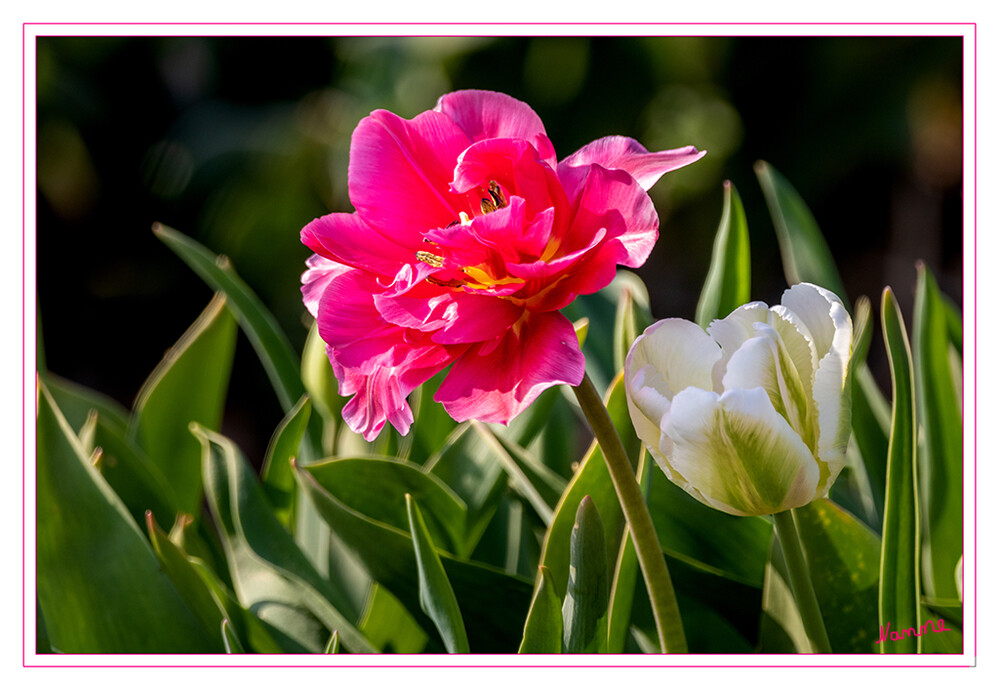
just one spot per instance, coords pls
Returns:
(728, 283)
(436, 595)
(543, 627)
(941, 464)
(803, 249)
(100, 586)
(188, 385)
(584, 611)
(900, 589)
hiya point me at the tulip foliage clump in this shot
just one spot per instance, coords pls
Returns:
(749, 486)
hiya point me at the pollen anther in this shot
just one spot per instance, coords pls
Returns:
(430, 259)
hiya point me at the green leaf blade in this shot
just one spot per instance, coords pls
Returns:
(543, 627)
(899, 592)
(727, 285)
(941, 462)
(584, 611)
(437, 597)
(804, 252)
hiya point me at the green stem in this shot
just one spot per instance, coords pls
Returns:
(643, 534)
(801, 583)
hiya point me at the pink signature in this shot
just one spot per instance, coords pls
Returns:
(923, 629)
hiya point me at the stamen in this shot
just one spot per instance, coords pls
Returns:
(430, 259)
(496, 199)
(444, 283)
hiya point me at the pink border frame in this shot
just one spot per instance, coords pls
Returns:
(149, 25)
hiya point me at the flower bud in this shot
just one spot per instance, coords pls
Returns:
(751, 417)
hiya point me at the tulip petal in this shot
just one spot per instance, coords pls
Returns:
(346, 239)
(377, 362)
(495, 381)
(316, 279)
(742, 457)
(832, 330)
(400, 173)
(624, 153)
(492, 115)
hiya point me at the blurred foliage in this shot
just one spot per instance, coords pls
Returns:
(241, 141)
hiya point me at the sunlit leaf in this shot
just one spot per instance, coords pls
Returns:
(584, 611)
(232, 643)
(727, 285)
(900, 587)
(543, 627)
(941, 462)
(436, 595)
(100, 586)
(803, 249)
(626, 574)
(633, 316)
(388, 625)
(279, 483)
(188, 385)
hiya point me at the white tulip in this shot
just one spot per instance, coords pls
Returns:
(751, 417)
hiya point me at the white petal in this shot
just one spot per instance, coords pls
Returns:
(737, 454)
(814, 306)
(647, 405)
(735, 329)
(682, 353)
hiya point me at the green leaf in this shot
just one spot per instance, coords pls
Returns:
(185, 578)
(100, 586)
(584, 611)
(803, 249)
(333, 646)
(76, 402)
(388, 625)
(272, 577)
(900, 588)
(432, 424)
(232, 643)
(188, 385)
(633, 316)
(626, 574)
(436, 595)
(377, 487)
(729, 546)
(278, 480)
(387, 553)
(870, 411)
(591, 479)
(843, 557)
(727, 285)
(941, 461)
(261, 328)
(543, 627)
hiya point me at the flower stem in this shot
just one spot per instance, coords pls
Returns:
(650, 556)
(801, 583)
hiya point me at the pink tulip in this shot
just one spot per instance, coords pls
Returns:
(468, 238)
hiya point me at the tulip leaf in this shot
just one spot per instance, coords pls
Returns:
(386, 551)
(321, 384)
(843, 556)
(100, 586)
(633, 316)
(279, 482)
(185, 578)
(432, 424)
(730, 546)
(543, 627)
(261, 328)
(333, 645)
(941, 459)
(188, 385)
(626, 574)
(870, 412)
(540, 486)
(388, 625)
(591, 479)
(232, 643)
(900, 587)
(584, 611)
(272, 577)
(803, 249)
(76, 402)
(727, 285)
(436, 595)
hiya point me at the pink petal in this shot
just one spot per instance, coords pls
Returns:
(400, 172)
(495, 381)
(316, 279)
(491, 115)
(613, 199)
(627, 154)
(347, 239)
(377, 362)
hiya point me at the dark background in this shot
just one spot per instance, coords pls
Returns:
(239, 142)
